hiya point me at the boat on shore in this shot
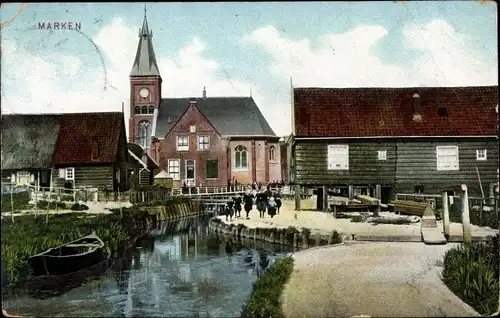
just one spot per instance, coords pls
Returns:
(69, 258)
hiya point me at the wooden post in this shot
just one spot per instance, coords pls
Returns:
(120, 204)
(378, 191)
(12, 204)
(467, 231)
(47, 213)
(297, 197)
(446, 215)
(325, 198)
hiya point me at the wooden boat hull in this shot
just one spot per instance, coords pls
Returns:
(46, 265)
(68, 258)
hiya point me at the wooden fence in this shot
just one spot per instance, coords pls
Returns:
(484, 211)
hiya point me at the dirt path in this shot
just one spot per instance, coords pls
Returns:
(374, 279)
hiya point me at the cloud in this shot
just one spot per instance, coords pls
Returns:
(437, 55)
(446, 57)
(66, 83)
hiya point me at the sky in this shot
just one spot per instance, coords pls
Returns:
(241, 49)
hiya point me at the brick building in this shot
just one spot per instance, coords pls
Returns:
(201, 140)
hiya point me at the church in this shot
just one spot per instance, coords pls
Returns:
(198, 141)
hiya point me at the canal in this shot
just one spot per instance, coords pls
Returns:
(181, 270)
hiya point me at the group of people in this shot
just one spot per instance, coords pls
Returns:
(264, 201)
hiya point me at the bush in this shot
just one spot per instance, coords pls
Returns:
(306, 232)
(472, 274)
(52, 205)
(266, 292)
(21, 200)
(79, 207)
(336, 238)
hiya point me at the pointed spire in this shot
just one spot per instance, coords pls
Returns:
(145, 60)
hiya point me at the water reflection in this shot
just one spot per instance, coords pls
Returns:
(186, 274)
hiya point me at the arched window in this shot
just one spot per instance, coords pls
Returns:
(272, 153)
(240, 158)
(151, 109)
(144, 110)
(144, 133)
(137, 110)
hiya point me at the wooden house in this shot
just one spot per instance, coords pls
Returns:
(383, 141)
(143, 167)
(91, 151)
(28, 143)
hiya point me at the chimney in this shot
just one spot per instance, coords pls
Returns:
(204, 93)
(416, 107)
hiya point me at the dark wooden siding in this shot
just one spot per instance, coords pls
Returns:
(409, 163)
(417, 164)
(122, 159)
(364, 166)
(92, 176)
(146, 177)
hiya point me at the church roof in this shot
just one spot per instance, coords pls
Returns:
(231, 116)
(145, 59)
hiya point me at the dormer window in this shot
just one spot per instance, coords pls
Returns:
(94, 150)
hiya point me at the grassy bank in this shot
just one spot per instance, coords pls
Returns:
(19, 201)
(266, 293)
(29, 235)
(472, 274)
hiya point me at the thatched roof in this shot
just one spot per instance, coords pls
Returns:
(28, 141)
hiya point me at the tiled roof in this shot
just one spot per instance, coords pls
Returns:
(371, 112)
(28, 141)
(79, 131)
(231, 116)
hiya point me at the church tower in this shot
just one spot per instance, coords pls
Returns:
(145, 89)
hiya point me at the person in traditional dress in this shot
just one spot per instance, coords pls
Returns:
(248, 202)
(261, 202)
(229, 210)
(277, 199)
(237, 205)
(271, 207)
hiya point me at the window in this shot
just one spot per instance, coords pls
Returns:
(382, 155)
(447, 158)
(240, 158)
(272, 153)
(182, 143)
(338, 157)
(192, 129)
(144, 110)
(481, 154)
(151, 109)
(203, 142)
(212, 169)
(23, 177)
(69, 174)
(144, 133)
(137, 110)
(174, 168)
